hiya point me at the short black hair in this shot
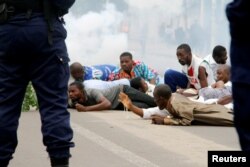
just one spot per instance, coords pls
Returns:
(163, 90)
(126, 54)
(75, 65)
(136, 83)
(78, 84)
(218, 51)
(185, 46)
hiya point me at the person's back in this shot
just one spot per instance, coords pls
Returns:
(82, 73)
(101, 71)
(99, 84)
(33, 49)
(112, 94)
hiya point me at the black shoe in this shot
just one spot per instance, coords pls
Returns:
(59, 162)
(4, 163)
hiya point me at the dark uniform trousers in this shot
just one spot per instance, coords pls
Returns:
(26, 55)
(238, 13)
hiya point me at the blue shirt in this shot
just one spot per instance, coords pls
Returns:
(98, 71)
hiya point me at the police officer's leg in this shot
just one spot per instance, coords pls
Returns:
(242, 113)
(174, 78)
(50, 74)
(12, 90)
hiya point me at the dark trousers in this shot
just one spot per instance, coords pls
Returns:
(238, 15)
(138, 98)
(241, 89)
(175, 79)
(242, 113)
(25, 55)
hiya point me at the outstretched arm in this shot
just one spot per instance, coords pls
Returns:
(125, 100)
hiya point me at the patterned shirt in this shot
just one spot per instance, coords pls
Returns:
(139, 69)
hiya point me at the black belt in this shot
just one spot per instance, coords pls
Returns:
(15, 9)
(12, 11)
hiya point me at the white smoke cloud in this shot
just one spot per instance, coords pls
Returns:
(168, 6)
(150, 29)
(96, 38)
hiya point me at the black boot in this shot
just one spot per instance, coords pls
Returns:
(4, 163)
(59, 162)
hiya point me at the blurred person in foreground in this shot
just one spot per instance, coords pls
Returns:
(238, 14)
(32, 48)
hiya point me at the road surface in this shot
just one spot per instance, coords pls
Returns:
(122, 139)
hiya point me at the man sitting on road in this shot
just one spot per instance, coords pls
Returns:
(130, 69)
(211, 62)
(192, 76)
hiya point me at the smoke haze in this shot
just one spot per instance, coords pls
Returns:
(100, 30)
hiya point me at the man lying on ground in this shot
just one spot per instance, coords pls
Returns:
(98, 100)
(183, 111)
(99, 84)
(140, 84)
(145, 113)
(82, 73)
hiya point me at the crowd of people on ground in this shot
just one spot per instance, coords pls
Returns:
(199, 94)
(183, 99)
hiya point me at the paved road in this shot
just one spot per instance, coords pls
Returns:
(122, 139)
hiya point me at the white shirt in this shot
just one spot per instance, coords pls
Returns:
(210, 65)
(147, 113)
(100, 84)
(192, 71)
(151, 89)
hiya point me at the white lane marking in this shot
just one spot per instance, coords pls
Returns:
(112, 147)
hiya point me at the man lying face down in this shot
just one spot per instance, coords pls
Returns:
(183, 111)
(98, 100)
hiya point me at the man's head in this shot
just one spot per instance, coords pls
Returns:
(162, 94)
(77, 71)
(76, 92)
(184, 54)
(223, 73)
(126, 61)
(139, 84)
(220, 54)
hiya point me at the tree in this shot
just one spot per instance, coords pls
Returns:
(30, 99)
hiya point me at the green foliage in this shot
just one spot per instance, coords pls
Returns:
(30, 100)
